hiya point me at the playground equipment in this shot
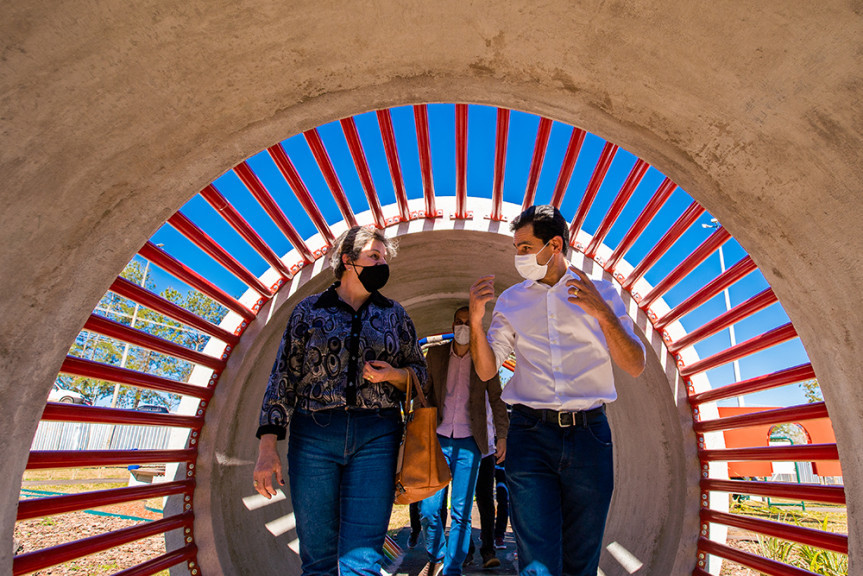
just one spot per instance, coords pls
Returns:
(774, 161)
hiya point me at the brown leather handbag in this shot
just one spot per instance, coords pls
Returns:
(422, 469)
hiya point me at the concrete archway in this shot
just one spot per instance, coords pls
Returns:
(115, 115)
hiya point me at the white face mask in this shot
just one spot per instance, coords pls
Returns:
(461, 334)
(527, 265)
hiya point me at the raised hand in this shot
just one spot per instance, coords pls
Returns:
(583, 293)
(481, 293)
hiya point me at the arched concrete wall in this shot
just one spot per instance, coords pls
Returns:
(115, 114)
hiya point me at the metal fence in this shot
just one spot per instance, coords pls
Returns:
(87, 436)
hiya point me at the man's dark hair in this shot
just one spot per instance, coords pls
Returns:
(464, 308)
(547, 222)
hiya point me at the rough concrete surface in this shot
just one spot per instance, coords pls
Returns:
(114, 114)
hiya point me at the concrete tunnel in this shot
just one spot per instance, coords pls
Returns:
(115, 116)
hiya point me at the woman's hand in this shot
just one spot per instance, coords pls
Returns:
(380, 371)
(267, 465)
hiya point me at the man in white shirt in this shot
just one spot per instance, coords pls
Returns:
(565, 331)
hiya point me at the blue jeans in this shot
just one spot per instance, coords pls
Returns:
(560, 482)
(342, 468)
(463, 458)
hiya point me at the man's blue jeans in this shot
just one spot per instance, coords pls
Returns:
(342, 476)
(560, 482)
(463, 458)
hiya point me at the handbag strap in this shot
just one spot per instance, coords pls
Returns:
(414, 383)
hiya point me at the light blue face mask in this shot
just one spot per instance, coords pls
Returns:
(529, 268)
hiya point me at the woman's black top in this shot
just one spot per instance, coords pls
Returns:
(321, 357)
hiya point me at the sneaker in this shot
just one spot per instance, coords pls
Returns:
(498, 543)
(489, 560)
(413, 539)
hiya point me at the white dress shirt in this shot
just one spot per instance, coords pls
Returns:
(562, 359)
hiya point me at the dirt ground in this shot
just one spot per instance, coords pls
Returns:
(39, 533)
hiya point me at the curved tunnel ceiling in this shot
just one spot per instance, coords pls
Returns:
(443, 177)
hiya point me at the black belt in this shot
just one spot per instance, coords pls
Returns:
(562, 419)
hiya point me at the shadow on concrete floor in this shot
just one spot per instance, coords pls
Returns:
(414, 560)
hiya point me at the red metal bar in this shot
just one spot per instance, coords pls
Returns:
(219, 203)
(316, 145)
(766, 382)
(542, 134)
(176, 268)
(162, 562)
(42, 459)
(421, 120)
(697, 572)
(772, 338)
(744, 310)
(144, 297)
(714, 287)
(677, 229)
(807, 536)
(295, 182)
(659, 198)
(602, 166)
(203, 241)
(355, 145)
(777, 416)
(801, 453)
(501, 137)
(461, 161)
(60, 412)
(385, 121)
(89, 369)
(136, 337)
(265, 199)
(41, 559)
(699, 255)
(567, 166)
(49, 506)
(808, 492)
(765, 566)
(632, 181)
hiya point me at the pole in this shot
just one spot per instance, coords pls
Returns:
(714, 223)
(127, 345)
(731, 336)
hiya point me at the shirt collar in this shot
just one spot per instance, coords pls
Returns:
(566, 275)
(452, 350)
(330, 298)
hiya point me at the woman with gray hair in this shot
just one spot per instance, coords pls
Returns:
(338, 381)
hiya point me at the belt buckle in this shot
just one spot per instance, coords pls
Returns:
(560, 421)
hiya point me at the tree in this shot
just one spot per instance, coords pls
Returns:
(812, 391)
(109, 351)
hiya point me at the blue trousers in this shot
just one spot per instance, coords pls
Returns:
(463, 458)
(342, 477)
(560, 482)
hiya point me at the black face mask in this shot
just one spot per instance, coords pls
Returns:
(373, 278)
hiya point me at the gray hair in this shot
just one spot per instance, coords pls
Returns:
(352, 243)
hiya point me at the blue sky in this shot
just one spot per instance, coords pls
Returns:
(481, 139)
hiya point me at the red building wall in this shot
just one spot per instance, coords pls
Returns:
(820, 431)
